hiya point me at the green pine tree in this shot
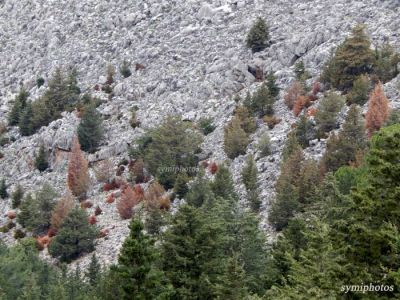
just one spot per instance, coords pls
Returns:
(271, 84)
(198, 267)
(386, 64)
(3, 189)
(360, 91)
(327, 113)
(41, 161)
(235, 139)
(258, 36)
(74, 237)
(18, 107)
(223, 185)
(35, 212)
(291, 145)
(180, 187)
(304, 131)
(90, 129)
(93, 272)
(136, 266)
(373, 226)
(125, 70)
(249, 178)
(25, 120)
(235, 286)
(200, 191)
(26, 212)
(263, 100)
(17, 196)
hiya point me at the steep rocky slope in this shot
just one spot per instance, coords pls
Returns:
(195, 61)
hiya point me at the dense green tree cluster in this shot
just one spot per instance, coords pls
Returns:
(75, 236)
(62, 94)
(170, 149)
(209, 241)
(343, 230)
(354, 58)
(35, 210)
(262, 101)
(18, 106)
(343, 148)
(348, 236)
(295, 188)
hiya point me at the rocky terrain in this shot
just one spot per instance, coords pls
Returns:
(194, 59)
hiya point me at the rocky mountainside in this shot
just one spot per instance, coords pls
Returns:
(195, 61)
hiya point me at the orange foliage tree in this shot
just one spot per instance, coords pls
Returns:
(301, 102)
(378, 110)
(293, 92)
(78, 174)
(129, 198)
(61, 210)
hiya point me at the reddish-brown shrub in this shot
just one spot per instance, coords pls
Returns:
(139, 190)
(139, 67)
(97, 211)
(301, 102)
(39, 245)
(127, 201)
(44, 241)
(378, 110)
(51, 232)
(86, 204)
(292, 93)
(11, 214)
(213, 168)
(311, 111)
(92, 220)
(97, 87)
(110, 198)
(316, 88)
(78, 175)
(61, 210)
(114, 184)
(165, 203)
